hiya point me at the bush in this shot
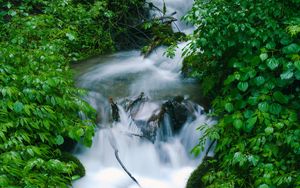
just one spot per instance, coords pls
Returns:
(249, 53)
(79, 170)
(40, 106)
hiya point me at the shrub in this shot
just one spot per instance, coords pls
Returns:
(248, 52)
(40, 106)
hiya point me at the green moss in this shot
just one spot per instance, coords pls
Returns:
(68, 157)
(195, 180)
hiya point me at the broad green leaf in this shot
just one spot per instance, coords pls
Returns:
(279, 125)
(297, 75)
(291, 49)
(263, 56)
(272, 63)
(229, 107)
(254, 160)
(80, 132)
(263, 106)
(248, 114)
(243, 86)
(18, 107)
(229, 79)
(259, 80)
(238, 124)
(287, 75)
(59, 140)
(275, 108)
(253, 100)
(70, 36)
(269, 130)
(279, 97)
(297, 64)
(250, 123)
(271, 45)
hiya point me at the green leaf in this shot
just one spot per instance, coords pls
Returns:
(248, 114)
(275, 108)
(243, 86)
(279, 97)
(259, 80)
(229, 107)
(229, 79)
(269, 130)
(70, 36)
(250, 123)
(59, 140)
(254, 160)
(80, 132)
(253, 100)
(279, 125)
(18, 107)
(238, 124)
(76, 177)
(297, 64)
(291, 49)
(287, 75)
(297, 75)
(263, 56)
(263, 106)
(272, 63)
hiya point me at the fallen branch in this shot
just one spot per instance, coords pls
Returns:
(113, 144)
(124, 168)
(134, 134)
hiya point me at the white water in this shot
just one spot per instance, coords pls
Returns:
(166, 163)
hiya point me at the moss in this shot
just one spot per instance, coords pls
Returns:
(68, 157)
(195, 180)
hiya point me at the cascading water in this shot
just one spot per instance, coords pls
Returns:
(155, 152)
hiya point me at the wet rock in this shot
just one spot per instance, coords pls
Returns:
(148, 129)
(114, 110)
(133, 105)
(179, 111)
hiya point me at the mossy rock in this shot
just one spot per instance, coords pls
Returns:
(68, 157)
(195, 180)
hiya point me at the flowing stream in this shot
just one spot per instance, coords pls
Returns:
(156, 152)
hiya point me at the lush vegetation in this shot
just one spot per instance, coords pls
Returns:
(246, 54)
(40, 107)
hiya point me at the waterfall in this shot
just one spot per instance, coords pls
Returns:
(156, 154)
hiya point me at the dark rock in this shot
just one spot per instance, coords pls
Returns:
(148, 129)
(68, 145)
(179, 112)
(134, 105)
(114, 110)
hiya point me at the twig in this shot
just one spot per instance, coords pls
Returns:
(208, 149)
(145, 35)
(124, 168)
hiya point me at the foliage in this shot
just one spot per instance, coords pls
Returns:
(79, 170)
(249, 52)
(40, 107)
(194, 180)
(159, 31)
